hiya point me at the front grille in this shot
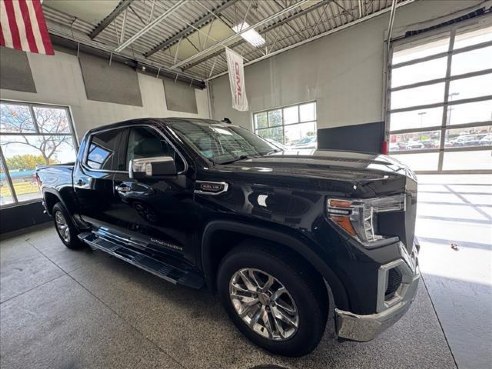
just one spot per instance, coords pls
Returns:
(394, 282)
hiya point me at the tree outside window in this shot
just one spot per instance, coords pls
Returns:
(31, 135)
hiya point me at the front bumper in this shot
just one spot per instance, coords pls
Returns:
(363, 328)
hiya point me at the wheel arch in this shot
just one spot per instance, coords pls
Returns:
(216, 242)
(51, 197)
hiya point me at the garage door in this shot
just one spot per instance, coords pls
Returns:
(440, 101)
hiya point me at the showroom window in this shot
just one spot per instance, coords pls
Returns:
(31, 135)
(292, 126)
(439, 105)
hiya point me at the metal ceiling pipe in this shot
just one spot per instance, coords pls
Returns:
(262, 31)
(191, 28)
(151, 25)
(390, 25)
(110, 18)
(233, 37)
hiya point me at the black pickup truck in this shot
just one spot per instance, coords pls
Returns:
(285, 241)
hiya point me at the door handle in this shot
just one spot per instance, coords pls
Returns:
(123, 188)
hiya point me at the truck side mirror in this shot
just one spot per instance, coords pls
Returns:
(152, 167)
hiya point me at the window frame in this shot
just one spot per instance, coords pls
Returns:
(125, 137)
(283, 125)
(449, 32)
(37, 132)
(85, 161)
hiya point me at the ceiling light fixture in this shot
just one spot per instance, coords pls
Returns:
(253, 37)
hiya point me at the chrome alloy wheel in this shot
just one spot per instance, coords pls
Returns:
(62, 226)
(264, 304)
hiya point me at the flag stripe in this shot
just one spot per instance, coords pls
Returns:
(2, 40)
(37, 35)
(21, 26)
(14, 31)
(27, 22)
(7, 36)
(42, 27)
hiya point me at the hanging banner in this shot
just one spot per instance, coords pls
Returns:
(236, 80)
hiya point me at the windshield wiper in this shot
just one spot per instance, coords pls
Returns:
(259, 155)
(242, 157)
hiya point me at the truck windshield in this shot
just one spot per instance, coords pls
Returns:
(222, 143)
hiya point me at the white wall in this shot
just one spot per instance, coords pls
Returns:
(343, 71)
(58, 80)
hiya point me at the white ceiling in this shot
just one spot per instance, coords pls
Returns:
(92, 11)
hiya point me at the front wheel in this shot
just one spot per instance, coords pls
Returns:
(275, 300)
(65, 228)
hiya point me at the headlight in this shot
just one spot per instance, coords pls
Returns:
(358, 217)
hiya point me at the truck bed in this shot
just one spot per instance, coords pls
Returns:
(55, 176)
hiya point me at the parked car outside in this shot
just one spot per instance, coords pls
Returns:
(430, 144)
(309, 142)
(394, 147)
(414, 145)
(465, 140)
(486, 140)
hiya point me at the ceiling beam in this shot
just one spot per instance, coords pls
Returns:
(151, 25)
(264, 30)
(223, 44)
(200, 22)
(123, 4)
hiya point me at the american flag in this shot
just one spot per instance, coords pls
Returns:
(22, 26)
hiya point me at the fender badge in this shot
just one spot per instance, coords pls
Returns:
(210, 188)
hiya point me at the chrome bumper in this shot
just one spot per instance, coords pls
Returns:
(366, 327)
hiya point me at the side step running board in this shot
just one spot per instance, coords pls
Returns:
(170, 273)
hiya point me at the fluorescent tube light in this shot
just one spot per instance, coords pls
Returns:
(253, 37)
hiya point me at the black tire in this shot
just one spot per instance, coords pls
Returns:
(304, 285)
(68, 237)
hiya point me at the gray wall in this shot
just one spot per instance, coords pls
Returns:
(179, 96)
(116, 83)
(15, 72)
(343, 71)
(58, 80)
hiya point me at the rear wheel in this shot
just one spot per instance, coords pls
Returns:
(275, 300)
(65, 228)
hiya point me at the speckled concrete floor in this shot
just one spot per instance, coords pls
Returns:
(457, 209)
(82, 309)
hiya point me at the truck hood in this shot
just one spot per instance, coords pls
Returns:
(337, 165)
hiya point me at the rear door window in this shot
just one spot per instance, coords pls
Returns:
(102, 150)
